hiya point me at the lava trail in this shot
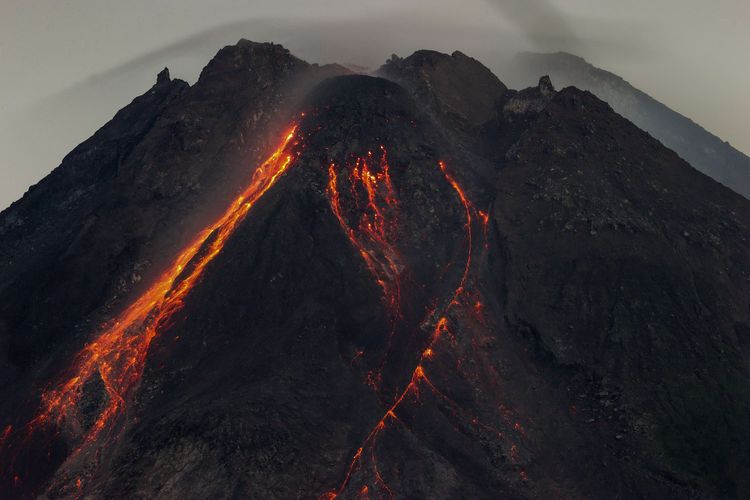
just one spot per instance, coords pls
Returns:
(374, 235)
(375, 201)
(418, 375)
(117, 355)
(461, 310)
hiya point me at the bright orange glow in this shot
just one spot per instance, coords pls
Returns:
(468, 209)
(117, 355)
(364, 201)
(375, 231)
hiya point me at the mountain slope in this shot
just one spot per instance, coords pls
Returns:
(419, 288)
(703, 150)
(100, 228)
(101, 224)
(621, 265)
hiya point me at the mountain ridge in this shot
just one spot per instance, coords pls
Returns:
(702, 149)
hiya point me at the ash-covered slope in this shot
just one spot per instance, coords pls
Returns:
(429, 289)
(702, 149)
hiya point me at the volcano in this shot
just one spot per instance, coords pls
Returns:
(292, 281)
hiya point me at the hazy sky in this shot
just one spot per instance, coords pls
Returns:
(66, 66)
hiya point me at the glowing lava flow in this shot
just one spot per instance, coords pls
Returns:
(374, 238)
(418, 375)
(117, 355)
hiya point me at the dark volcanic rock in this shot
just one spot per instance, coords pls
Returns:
(572, 297)
(465, 100)
(49, 236)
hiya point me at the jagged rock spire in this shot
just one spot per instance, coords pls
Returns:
(545, 85)
(163, 77)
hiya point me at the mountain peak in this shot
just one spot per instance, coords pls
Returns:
(545, 85)
(458, 84)
(248, 58)
(163, 77)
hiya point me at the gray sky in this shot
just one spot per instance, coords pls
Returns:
(66, 66)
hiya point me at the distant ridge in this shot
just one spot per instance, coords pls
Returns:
(702, 149)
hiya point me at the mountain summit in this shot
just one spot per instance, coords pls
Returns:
(290, 281)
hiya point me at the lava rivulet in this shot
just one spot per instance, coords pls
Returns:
(464, 304)
(375, 200)
(418, 376)
(116, 357)
(374, 235)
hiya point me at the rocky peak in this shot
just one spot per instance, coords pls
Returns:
(246, 58)
(453, 84)
(531, 100)
(545, 85)
(163, 77)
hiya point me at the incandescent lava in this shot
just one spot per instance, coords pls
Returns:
(364, 238)
(117, 355)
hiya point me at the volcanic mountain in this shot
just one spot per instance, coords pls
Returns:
(290, 281)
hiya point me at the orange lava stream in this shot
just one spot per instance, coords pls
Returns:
(418, 376)
(373, 238)
(118, 354)
(376, 204)
(468, 208)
